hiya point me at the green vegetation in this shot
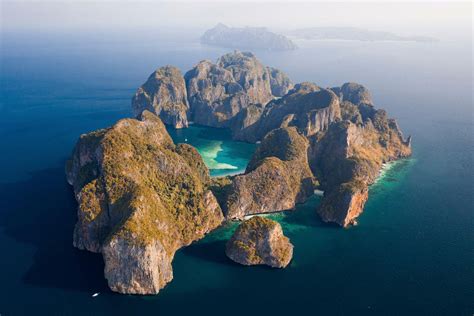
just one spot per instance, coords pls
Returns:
(155, 190)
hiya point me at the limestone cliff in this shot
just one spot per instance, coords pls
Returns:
(277, 177)
(218, 92)
(307, 107)
(348, 157)
(164, 93)
(260, 241)
(140, 199)
(354, 93)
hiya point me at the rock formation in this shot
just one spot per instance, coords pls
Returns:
(354, 93)
(140, 199)
(277, 177)
(348, 157)
(279, 82)
(246, 38)
(260, 241)
(164, 93)
(218, 92)
(307, 107)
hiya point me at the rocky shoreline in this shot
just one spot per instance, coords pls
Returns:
(141, 197)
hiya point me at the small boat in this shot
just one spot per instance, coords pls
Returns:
(95, 294)
(185, 139)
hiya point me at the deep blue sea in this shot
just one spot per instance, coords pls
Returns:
(411, 254)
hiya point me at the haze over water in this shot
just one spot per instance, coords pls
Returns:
(412, 252)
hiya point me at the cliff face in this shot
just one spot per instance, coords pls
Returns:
(277, 177)
(354, 93)
(212, 94)
(140, 199)
(279, 82)
(164, 93)
(307, 107)
(348, 157)
(218, 92)
(260, 241)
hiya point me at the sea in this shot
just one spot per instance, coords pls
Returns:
(410, 254)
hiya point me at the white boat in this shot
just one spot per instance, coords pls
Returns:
(95, 294)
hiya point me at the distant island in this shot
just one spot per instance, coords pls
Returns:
(141, 197)
(352, 33)
(246, 38)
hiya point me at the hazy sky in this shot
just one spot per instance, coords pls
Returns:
(421, 18)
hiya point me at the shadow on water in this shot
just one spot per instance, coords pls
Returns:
(209, 251)
(41, 211)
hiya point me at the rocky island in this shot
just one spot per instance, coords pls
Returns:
(353, 34)
(246, 38)
(141, 197)
(260, 241)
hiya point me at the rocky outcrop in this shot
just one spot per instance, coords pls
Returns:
(260, 241)
(164, 93)
(307, 107)
(347, 158)
(354, 93)
(277, 177)
(218, 92)
(280, 83)
(140, 198)
(246, 38)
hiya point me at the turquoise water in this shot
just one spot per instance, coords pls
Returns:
(411, 253)
(221, 155)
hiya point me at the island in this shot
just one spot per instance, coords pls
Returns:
(246, 38)
(141, 197)
(353, 34)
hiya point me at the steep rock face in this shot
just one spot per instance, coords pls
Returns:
(260, 241)
(307, 107)
(140, 199)
(277, 177)
(348, 157)
(164, 93)
(280, 83)
(218, 92)
(354, 93)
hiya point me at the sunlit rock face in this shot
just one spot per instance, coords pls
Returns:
(218, 92)
(140, 198)
(347, 158)
(277, 177)
(307, 107)
(260, 241)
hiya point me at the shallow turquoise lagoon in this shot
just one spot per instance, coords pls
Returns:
(221, 155)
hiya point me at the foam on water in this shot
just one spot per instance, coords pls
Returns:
(210, 152)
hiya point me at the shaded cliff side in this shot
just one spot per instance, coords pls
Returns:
(164, 93)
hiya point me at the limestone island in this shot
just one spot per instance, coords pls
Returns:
(141, 197)
(354, 34)
(246, 38)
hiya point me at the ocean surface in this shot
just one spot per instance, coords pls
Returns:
(411, 254)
